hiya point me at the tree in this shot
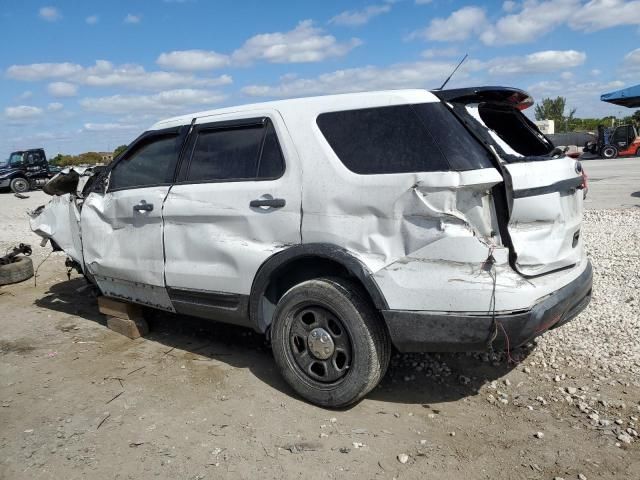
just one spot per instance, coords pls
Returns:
(119, 150)
(636, 117)
(553, 109)
(57, 160)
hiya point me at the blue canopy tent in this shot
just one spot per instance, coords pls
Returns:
(627, 97)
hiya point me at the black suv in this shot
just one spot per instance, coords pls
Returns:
(25, 170)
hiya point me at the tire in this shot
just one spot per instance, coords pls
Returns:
(638, 152)
(21, 269)
(20, 185)
(361, 347)
(608, 152)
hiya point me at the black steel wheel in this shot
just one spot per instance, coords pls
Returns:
(329, 341)
(320, 344)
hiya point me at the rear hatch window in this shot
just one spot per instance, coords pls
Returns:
(401, 139)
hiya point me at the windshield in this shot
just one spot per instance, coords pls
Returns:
(15, 160)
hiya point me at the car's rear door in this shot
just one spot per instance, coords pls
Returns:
(122, 227)
(236, 202)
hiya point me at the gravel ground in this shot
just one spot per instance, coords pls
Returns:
(198, 400)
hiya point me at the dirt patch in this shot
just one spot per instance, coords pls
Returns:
(23, 345)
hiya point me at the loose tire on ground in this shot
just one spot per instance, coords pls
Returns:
(19, 185)
(21, 269)
(340, 309)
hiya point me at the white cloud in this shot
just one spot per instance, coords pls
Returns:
(132, 19)
(92, 19)
(41, 71)
(460, 25)
(423, 74)
(537, 18)
(566, 75)
(305, 43)
(55, 107)
(595, 72)
(538, 62)
(62, 89)
(22, 112)
(107, 127)
(631, 65)
(354, 18)
(26, 95)
(534, 20)
(509, 6)
(167, 102)
(192, 60)
(601, 14)
(580, 95)
(105, 74)
(50, 14)
(440, 52)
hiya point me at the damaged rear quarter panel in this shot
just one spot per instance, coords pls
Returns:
(404, 227)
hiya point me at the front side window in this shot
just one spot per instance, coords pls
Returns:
(401, 139)
(151, 163)
(236, 153)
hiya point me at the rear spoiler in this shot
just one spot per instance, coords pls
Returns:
(505, 95)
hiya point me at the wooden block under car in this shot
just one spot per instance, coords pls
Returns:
(123, 317)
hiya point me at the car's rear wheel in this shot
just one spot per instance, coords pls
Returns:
(19, 185)
(638, 152)
(609, 151)
(329, 341)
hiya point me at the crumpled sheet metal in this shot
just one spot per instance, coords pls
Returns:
(59, 220)
(542, 226)
(69, 180)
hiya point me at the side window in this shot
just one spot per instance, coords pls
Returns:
(401, 139)
(236, 153)
(150, 163)
(271, 164)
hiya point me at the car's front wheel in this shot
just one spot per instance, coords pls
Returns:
(609, 151)
(329, 341)
(19, 185)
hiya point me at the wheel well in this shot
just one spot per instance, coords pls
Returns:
(297, 270)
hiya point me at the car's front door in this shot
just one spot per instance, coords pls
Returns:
(236, 203)
(122, 227)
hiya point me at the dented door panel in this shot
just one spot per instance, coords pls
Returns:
(123, 247)
(215, 241)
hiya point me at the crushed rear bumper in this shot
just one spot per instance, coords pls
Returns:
(422, 331)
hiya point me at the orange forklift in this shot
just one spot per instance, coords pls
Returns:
(623, 140)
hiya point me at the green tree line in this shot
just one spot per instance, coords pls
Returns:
(87, 158)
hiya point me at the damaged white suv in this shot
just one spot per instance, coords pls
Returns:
(340, 226)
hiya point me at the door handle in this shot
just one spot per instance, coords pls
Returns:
(268, 202)
(143, 206)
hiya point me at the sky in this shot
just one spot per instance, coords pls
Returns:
(91, 75)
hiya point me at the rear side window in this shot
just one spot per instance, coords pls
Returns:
(236, 153)
(401, 139)
(150, 163)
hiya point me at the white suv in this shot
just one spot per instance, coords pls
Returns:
(340, 226)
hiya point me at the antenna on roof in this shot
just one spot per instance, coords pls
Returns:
(454, 71)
